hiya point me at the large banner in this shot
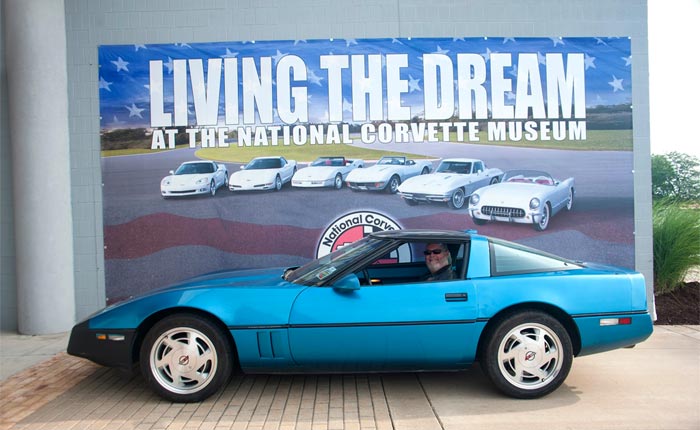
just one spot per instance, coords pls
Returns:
(270, 153)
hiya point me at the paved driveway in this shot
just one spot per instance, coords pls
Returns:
(653, 386)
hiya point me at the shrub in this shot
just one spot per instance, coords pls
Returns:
(675, 175)
(676, 243)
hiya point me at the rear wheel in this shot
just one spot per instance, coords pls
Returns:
(212, 188)
(527, 355)
(186, 358)
(570, 202)
(338, 181)
(278, 183)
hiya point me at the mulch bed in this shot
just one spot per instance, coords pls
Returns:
(680, 307)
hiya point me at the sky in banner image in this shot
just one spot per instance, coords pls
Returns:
(268, 153)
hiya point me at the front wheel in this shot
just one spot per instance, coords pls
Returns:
(186, 358)
(212, 188)
(544, 219)
(457, 199)
(527, 355)
(278, 183)
(393, 185)
(338, 181)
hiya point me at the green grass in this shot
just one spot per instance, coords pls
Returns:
(676, 243)
(596, 140)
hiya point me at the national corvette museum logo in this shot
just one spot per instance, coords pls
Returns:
(356, 225)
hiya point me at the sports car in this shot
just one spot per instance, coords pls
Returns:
(525, 197)
(325, 172)
(387, 174)
(194, 177)
(263, 173)
(453, 182)
(368, 307)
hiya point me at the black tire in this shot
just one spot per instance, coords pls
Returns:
(570, 203)
(410, 202)
(212, 188)
(457, 199)
(425, 171)
(338, 181)
(186, 358)
(494, 180)
(278, 183)
(527, 355)
(544, 221)
(393, 186)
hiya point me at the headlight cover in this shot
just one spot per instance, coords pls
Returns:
(474, 199)
(534, 203)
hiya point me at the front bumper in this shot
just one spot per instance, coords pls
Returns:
(312, 183)
(367, 186)
(184, 191)
(250, 187)
(417, 197)
(112, 348)
(528, 218)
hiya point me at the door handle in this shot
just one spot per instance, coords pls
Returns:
(456, 297)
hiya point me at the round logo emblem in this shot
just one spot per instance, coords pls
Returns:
(356, 225)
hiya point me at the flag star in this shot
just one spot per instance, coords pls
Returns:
(510, 95)
(229, 54)
(413, 84)
(514, 71)
(278, 57)
(487, 54)
(183, 45)
(600, 41)
(616, 84)
(441, 51)
(557, 41)
(104, 85)
(169, 65)
(347, 106)
(116, 120)
(506, 39)
(121, 64)
(349, 42)
(296, 42)
(395, 40)
(314, 79)
(134, 110)
(137, 47)
(458, 39)
(589, 61)
(628, 60)
(541, 58)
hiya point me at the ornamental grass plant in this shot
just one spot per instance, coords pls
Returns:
(676, 243)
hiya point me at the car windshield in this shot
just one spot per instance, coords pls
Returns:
(392, 160)
(462, 167)
(195, 168)
(528, 176)
(264, 163)
(329, 161)
(316, 271)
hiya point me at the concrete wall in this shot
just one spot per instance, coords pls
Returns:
(90, 23)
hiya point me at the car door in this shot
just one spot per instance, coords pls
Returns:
(398, 326)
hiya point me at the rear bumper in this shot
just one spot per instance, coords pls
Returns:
(596, 336)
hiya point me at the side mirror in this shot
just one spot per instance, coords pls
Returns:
(172, 172)
(347, 283)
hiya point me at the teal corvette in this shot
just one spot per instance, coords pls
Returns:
(368, 307)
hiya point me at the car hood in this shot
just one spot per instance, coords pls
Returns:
(434, 183)
(318, 172)
(186, 179)
(243, 175)
(515, 194)
(372, 173)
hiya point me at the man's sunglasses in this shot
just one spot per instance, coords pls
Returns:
(433, 251)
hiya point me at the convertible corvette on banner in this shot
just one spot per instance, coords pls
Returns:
(524, 197)
(325, 172)
(387, 174)
(522, 313)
